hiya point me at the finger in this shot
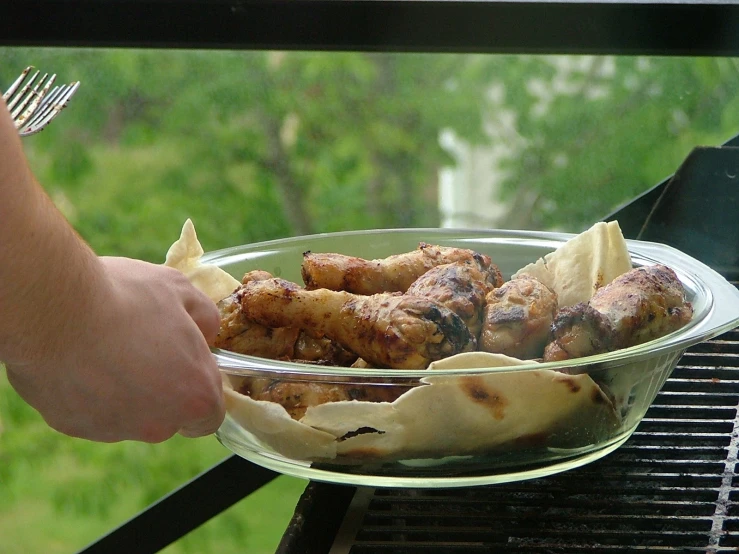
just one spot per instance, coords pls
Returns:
(207, 426)
(206, 409)
(205, 314)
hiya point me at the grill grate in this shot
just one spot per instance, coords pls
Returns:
(671, 488)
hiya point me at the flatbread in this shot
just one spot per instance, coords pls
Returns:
(458, 415)
(445, 415)
(184, 255)
(583, 264)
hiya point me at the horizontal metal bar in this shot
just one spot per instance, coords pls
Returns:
(683, 420)
(524, 26)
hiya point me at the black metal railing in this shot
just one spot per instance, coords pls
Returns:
(185, 508)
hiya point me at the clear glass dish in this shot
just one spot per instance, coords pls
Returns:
(459, 427)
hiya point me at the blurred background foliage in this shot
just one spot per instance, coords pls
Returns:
(261, 145)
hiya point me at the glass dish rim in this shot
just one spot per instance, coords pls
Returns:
(711, 321)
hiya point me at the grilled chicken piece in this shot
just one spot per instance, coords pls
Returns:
(518, 317)
(256, 275)
(392, 274)
(461, 287)
(242, 335)
(387, 330)
(239, 334)
(297, 396)
(641, 305)
(233, 322)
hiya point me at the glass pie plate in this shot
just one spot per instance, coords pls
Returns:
(457, 427)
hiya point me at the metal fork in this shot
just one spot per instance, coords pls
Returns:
(33, 103)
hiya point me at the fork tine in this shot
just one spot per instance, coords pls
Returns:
(59, 103)
(8, 93)
(35, 96)
(33, 103)
(50, 108)
(45, 106)
(26, 95)
(23, 93)
(52, 95)
(60, 98)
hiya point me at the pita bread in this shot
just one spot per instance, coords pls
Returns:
(473, 413)
(583, 264)
(444, 415)
(185, 255)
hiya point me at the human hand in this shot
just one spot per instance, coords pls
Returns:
(136, 366)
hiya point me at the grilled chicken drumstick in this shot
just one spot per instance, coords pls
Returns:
(518, 317)
(461, 287)
(392, 274)
(387, 330)
(643, 304)
(242, 335)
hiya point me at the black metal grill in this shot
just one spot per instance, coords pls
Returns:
(671, 488)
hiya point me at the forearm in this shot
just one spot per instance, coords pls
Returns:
(106, 349)
(48, 275)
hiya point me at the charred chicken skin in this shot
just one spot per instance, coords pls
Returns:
(461, 287)
(386, 330)
(641, 305)
(518, 317)
(392, 274)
